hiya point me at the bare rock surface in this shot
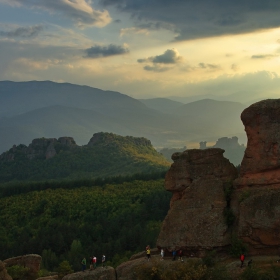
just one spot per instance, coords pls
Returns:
(48, 277)
(3, 272)
(195, 220)
(261, 162)
(256, 199)
(31, 261)
(100, 273)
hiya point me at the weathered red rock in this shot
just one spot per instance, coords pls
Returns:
(256, 200)
(32, 261)
(261, 162)
(195, 220)
(3, 272)
(100, 273)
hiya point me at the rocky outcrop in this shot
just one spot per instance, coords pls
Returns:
(54, 277)
(3, 272)
(100, 273)
(195, 221)
(261, 162)
(256, 200)
(40, 148)
(32, 261)
(128, 270)
(233, 150)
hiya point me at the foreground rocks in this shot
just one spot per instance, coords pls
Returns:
(3, 272)
(195, 221)
(32, 261)
(100, 273)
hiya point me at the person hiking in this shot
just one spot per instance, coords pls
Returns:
(162, 254)
(84, 264)
(148, 252)
(103, 260)
(94, 262)
(180, 254)
(91, 263)
(174, 255)
(242, 258)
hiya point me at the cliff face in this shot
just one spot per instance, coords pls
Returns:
(195, 221)
(43, 148)
(197, 180)
(256, 200)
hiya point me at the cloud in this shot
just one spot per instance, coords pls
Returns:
(234, 67)
(103, 51)
(208, 66)
(198, 19)
(80, 11)
(156, 68)
(23, 32)
(133, 30)
(263, 56)
(169, 57)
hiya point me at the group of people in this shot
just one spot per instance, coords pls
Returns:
(92, 262)
(162, 252)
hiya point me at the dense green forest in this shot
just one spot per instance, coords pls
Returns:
(68, 224)
(108, 155)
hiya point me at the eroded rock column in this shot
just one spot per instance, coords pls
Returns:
(195, 221)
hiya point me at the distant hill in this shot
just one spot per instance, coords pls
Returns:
(163, 105)
(105, 155)
(34, 109)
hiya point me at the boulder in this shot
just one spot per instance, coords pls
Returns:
(195, 221)
(100, 273)
(128, 270)
(32, 261)
(3, 272)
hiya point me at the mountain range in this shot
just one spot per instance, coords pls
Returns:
(36, 109)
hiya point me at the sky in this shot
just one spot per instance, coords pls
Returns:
(146, 48)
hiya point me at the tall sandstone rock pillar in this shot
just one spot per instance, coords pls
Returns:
(195, 221)
(256, 200)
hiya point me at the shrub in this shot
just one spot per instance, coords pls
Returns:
(210, 258)
(229, 216)
(64, 269)
(19, 272)
(237, 247)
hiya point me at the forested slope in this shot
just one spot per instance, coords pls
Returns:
(105, 155)
(116, 220)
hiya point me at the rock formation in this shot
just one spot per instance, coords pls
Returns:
(233, 150)
(32, 261)
(256, 200)
(195, 221)
(197, 178)
(97, 274)
(40, 148)
(3, 272)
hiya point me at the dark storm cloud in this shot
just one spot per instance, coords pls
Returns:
(263, 56)
(193, 19)
(103, 51)
(23, 32)
(169, 57)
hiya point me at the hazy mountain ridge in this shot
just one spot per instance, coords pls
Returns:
(31, 110)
